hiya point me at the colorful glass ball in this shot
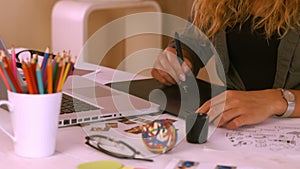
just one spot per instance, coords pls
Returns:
(160, 136)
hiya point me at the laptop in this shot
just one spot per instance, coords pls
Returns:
(87, 101)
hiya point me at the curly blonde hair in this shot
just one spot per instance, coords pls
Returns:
(274, 16)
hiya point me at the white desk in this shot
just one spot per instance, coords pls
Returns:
(71, 151)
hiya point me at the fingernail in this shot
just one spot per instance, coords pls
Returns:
(182, 77)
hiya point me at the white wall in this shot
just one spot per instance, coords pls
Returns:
(26, 23)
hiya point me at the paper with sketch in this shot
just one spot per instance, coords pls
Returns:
(129, 130)
(188, 164)
(275, 135)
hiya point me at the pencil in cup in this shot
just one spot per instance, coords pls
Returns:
(49, 77)
(10, 80)
(56, 72)
(28, 73)
(39, 78)
(5, 78)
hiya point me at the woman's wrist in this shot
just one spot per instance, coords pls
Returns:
(290, 99)
(281, 104)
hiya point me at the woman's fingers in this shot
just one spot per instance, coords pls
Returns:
(217, 100)
(166, 64)
(167, 69)
(175, 66)
(233, 109)
(161, 70)
(162, 77)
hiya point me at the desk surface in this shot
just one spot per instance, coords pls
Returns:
(71, 151)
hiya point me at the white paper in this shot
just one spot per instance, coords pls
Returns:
(106, 75)
(177, 164)
(275, 135)
(134, 140)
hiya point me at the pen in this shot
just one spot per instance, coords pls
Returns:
(178, 48)
(180, 59)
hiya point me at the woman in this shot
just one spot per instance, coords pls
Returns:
(258, 42)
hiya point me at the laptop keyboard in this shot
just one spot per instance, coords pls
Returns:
(71, 105)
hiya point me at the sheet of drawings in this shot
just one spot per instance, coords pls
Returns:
(275, 135)
(188, 164)
(129, 130)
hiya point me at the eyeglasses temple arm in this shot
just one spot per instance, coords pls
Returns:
(143, 159)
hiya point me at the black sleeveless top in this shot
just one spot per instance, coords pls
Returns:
(253, 56)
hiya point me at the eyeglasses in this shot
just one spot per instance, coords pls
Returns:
(28, 53)
(115, 148)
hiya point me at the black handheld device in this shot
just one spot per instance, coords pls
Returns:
(196, 128)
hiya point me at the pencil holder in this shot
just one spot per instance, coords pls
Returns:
(34, 123)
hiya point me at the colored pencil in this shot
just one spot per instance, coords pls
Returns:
(6, 60)
(55, 67)
(55, 71)
(58, 89)
(14, 62)
(8, 78)
(7, 65)
(27, 78)
(44, 63)
(14, 81)
(32, 77)
(73, 60)
(39, 80)
(5, 80)
(65, 74)
(57, 75)
(33, 67)
(36, 58)
(49, 77)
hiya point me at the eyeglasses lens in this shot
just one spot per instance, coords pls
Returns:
(115, 147)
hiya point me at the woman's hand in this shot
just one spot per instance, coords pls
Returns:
(167, 69)
(232, 109)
